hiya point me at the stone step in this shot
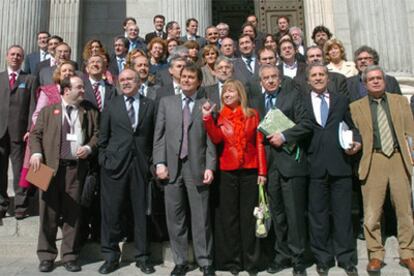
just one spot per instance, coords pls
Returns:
(18, 241)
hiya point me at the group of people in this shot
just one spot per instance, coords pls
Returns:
(180, 114)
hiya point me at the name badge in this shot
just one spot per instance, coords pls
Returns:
(22, 85)
(71, 137)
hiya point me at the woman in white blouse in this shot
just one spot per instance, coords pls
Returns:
(335, 58)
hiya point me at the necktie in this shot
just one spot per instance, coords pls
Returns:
(142, 90)
(186, 124)
(324, 110)
(12, 80)
(131, 110)
(97, 95)
(65, 149)
(120, 64)
(269, 101)
(249, 64)
(384, 130)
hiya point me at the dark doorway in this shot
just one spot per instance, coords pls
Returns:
(232, 12)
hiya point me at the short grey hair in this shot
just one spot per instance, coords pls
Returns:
(313, 65)
(370, 69)
(223, 59)
(268, 66)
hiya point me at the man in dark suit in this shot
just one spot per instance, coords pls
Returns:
(330, 188)
(33, 59)
(365, 56)
(163, 76)
(159, 22)
(64, 137)
(191, 27)
(336, 82)
(223, 69)
(186, 158)
(125, 142)
(135, 41)
(52, 42)
(288, 170)
(246, 65)
(148, 89)
(171, 83)
(290, 65)
(118, 60)
(16, 107)
(97, 91)
(62, 52)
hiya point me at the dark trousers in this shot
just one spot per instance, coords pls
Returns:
(287, 202)
(14, 150)
(61, 200)
(331, 196)
(235, 243)
(114, 192)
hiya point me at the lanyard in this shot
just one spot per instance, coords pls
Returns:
(71, 121)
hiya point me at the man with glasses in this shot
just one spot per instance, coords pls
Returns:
(365, 56)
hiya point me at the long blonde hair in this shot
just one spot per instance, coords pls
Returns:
(239, 87)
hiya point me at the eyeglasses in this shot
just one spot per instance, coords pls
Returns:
(365, 58)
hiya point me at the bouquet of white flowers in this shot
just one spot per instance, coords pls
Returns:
(262, 214)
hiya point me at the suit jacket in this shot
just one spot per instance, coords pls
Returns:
(391, 85)
(17, 105)
(40, 66)
(31, 61)
(110, 93)
(168, 136)
(325, 154)
(150, 36)
(119, 143)
(46, 135)
(336, 82)
(113, 66)
(402, 120)
(163, 77)
(200, 40)
(290, 102)
(212, 93)
(152, 91)
(241, 72)
(301, 71)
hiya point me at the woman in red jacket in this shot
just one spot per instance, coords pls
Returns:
(242, 168)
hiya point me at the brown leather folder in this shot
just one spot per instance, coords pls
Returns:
(41, 178)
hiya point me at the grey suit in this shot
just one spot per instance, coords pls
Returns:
(241, 72)
(31, 61)
(185, 178)
(16, 108)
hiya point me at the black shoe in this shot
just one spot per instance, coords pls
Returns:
(208, 270)
(322, 268)
(276, 267)
(350, 269)
(234, 272)
(72, 266)
(179, 270)
(108, 267)
(299, 270)
(145, 266)
(20, 215)
(46, 266)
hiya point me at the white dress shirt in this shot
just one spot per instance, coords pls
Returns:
(75, 128)
(316, 104)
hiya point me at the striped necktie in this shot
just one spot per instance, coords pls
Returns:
(97, 95)
(384, 129)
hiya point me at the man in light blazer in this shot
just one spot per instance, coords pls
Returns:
(384, 121)
(16, 108)
(185, 158)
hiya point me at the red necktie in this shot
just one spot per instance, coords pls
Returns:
(97, 95)
(12, 80)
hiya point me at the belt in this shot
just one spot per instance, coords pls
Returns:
(380, 150)
(68, 162)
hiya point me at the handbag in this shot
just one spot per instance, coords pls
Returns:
(262, 214)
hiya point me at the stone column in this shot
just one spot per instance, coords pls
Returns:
(383, 25)
(180, 10)
(318, 12)
(20, 21)
(65, 21)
